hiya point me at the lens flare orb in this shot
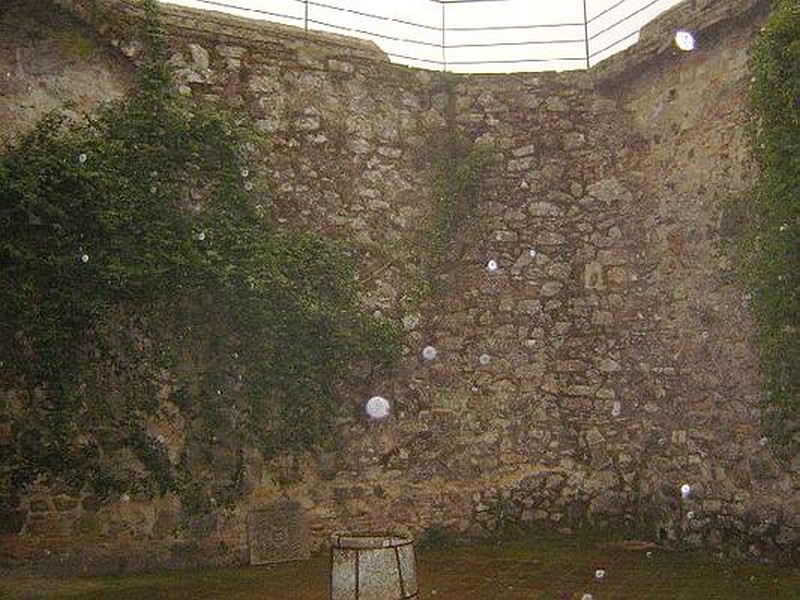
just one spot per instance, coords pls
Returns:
(378, 407)
(685, 40)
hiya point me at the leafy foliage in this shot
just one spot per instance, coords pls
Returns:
(459, 170)
(772, 245)
(140, 264)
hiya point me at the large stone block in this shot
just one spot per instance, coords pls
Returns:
(278, 533)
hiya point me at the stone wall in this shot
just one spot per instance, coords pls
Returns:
(604, 364)
(48, 61)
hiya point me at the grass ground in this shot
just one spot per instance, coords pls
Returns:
(531, 569)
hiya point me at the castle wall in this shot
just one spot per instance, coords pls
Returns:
(620, 360)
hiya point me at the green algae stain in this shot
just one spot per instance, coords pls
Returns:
(74, 45)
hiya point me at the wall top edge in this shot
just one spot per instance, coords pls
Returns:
(706, 18)
(110, 18)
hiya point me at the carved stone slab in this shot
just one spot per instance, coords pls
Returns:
(278, 533)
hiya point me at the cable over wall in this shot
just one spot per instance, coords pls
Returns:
(469, 35)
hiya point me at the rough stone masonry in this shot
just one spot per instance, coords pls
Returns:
(618, 362)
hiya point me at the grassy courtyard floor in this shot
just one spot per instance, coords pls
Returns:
(552, 569)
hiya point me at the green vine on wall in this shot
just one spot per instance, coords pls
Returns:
(770, 249)
(460, 168)
(140, 264)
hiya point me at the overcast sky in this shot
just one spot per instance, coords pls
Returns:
(522, 48)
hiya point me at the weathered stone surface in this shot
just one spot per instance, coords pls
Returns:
(609, 191)
(226, 51)
(603, 212)
(543, 209)
(608, 365)
(593, 437)
(550, 238)
(556, 104)
(38, 74)
(679, 437)
(200, 56)
(38, 505)
(524, 151)
(278, 533)
(574, 140)
(65, 503)
(340, 66)
(309, 121)
(593, 276)
(551, 288)
(12, 520)
(522, 164)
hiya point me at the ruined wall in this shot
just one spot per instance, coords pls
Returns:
(606, 362)
(691, 113)
(47, 62)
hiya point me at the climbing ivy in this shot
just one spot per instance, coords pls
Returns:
(460, 168)
(141, 268)
(771, 247)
